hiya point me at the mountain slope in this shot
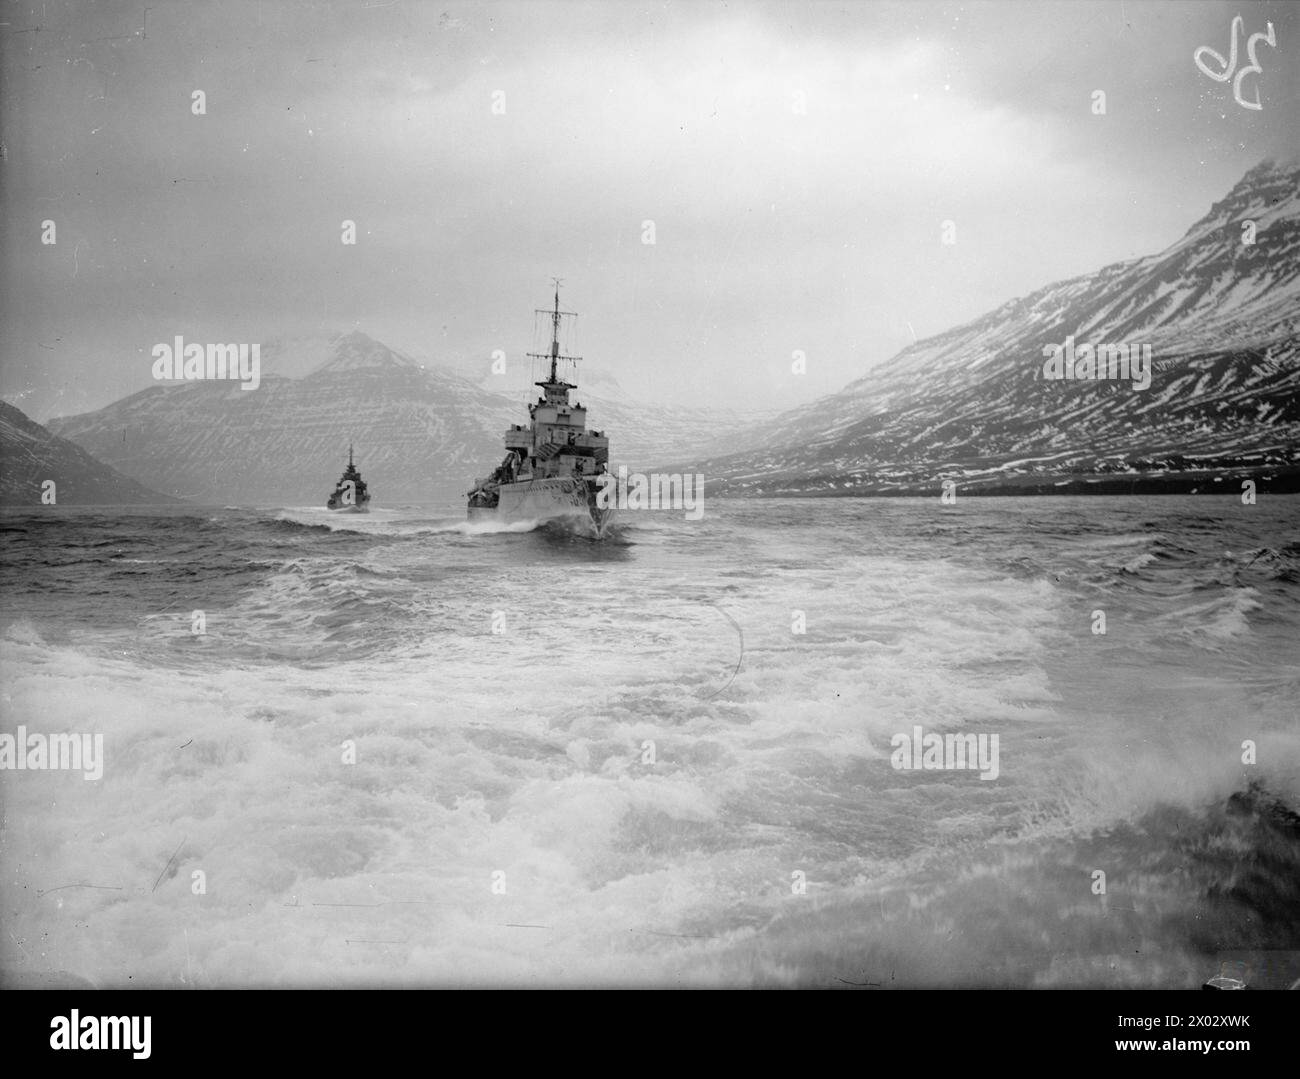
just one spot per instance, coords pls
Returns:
(30, 455)
(971, 404)
(421, 432)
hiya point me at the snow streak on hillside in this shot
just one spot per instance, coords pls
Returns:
(971, 404)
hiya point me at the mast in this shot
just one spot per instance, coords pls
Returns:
(555, 315)
(555, 330)
(349, 455)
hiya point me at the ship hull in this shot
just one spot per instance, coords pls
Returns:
(349, 509)
(540, 501)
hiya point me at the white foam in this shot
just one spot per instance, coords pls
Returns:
(397, 522)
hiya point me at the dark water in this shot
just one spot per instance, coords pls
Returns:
(646, 756)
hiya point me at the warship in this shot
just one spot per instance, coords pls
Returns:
(350, 493)
(553, 466)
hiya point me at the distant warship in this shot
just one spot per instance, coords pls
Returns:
(553, 465)
(350, 493)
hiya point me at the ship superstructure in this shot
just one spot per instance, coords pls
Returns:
(553, 463)
(350, 494)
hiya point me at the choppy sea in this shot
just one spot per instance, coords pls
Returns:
(408, 750)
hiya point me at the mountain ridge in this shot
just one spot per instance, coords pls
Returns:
(30, 455)
(422, 432)
(970, 403)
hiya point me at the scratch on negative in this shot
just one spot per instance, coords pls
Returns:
(739, 659)
(169, 862)
(101, 887)
(19, 943)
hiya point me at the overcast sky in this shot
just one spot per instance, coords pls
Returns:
(797, 161)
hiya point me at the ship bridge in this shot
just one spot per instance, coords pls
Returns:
(556, 442)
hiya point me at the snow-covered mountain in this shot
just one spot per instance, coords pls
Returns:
(30, 455)
(422, 432)
(971, 404)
